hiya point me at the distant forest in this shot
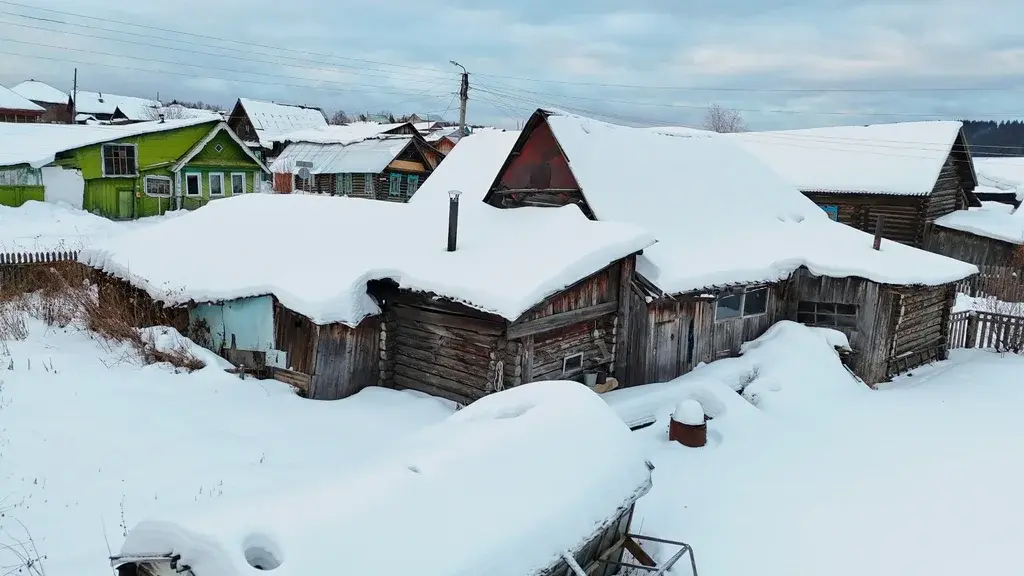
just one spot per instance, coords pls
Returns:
(988, 138)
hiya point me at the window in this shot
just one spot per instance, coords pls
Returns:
(343, 185)
(394, 185)
(832, 211)
(368, 184)
(216, 184)
(158, 186)
(827, 314)
(413, 182)
(218, 148)
(237, 184)
(193, 185)
(119, 159)
(750, 302)
(572, 363)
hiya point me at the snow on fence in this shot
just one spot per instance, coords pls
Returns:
(16, 258)
(988, 330)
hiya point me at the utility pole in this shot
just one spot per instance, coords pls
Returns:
(463, 98)
(74, 96)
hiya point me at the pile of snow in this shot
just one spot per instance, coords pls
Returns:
(91, 441)
(338, 134)
(470, 168)
(37, 144)
(271, 120)
(63, 185)
(40, 92)
(11, 100)
(515, 479)
(902, 158)
(988, 223)
(300, 265)
(134, 108)
(364, 156)
(51, 227)
(727, 193)
(168, 340)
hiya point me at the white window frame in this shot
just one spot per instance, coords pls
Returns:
(565, 362)
(145, 186)
(233, 174)
(743, 303)
(103, 162)
(209, 182)
(368, 186)
(199, 181)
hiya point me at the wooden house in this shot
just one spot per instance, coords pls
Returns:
(907, 173)
(257, 123)
(115, 108)
(379, 161)
(15, 108)
(693, 302)
(1000, 179)
(56, 103)
(125, 172)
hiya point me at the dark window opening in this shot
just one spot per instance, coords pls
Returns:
(119, 160)
(827, 314)
(572, 363)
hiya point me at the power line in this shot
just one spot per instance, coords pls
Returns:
(246, 54)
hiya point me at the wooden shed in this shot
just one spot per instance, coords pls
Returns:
(908, 173)
(451, 350)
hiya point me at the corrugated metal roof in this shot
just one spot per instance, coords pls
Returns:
(369, 156)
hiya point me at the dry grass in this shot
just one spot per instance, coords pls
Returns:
(61, 295)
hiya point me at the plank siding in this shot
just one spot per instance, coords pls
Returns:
(346, 359)
(967, 247)
(297, 336)
(729, 335)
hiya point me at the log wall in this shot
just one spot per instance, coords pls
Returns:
(920, 332)
(904, 215)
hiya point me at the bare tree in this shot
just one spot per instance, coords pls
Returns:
(339, 117)
(720, 119)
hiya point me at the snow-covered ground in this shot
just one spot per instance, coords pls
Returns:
(827, 477)
(90, 440)
(806, 471)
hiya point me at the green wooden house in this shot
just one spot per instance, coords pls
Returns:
(131, 171)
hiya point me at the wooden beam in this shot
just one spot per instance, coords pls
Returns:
(641, 556)
(449, 320)
(534, 190)
(518, 330)
(622, 329)
(527, 375)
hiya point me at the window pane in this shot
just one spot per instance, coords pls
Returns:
(826, 307)
(756, 302)
(192, 185)
(846, 321)
(237, 184)
(395, 185)
(216, 184)
(846, 309)
(825, 320)
(805, 306)
(414, 184)
(729, 306)
(368, 184)
(805, 317)
(158, 187)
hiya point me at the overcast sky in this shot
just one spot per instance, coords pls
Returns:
(784, 63)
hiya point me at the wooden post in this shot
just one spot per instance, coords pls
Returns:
(879, 223)
(620, 346)
(972, 330)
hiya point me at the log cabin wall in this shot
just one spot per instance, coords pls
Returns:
(729, 335)
(824, 301)
(972, 248)
(904, 216)
(920, 326)
(346, 360)
(948, 194)
(439, 347)
(580, 323)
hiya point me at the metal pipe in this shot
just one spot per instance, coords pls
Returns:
(453, 219)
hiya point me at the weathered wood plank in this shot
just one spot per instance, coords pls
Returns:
(448, 374)
(472, 366)
(405, 383)
(413, 378)
(555, 321)
(449, 320)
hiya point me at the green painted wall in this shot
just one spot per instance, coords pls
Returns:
(15, 196)
(123, 198)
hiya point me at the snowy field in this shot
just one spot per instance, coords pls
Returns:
(806, 472)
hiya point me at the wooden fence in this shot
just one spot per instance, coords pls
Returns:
(15, 266)
(988, 330)
(1002, 282)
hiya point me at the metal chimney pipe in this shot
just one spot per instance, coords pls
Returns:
(453, 218)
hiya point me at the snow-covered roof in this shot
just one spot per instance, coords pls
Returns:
(37, 144)
(51, 227)
(137, 109)
(721, 216)
(370, 156)
(1004, 173)
(41, 92)
(301, 265)
(902, 158)
(996, 224)
(179, 112)
(503, 487)
(337, 134)
(426, 126)
(10, 100)
(469, 168)
(272, 120)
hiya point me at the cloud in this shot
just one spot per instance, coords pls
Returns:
(771, 62)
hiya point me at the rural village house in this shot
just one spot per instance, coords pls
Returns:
(56, 102)
(125, 172)
(15, 108)
(697, 295)
(379, 161)
(113, 108)
(406, 314)
(908, 173)
(1000, 180)
(257, 123)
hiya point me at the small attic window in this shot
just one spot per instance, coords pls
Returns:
(218, 148)
(572, 363)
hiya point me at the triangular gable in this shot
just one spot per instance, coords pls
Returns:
(537, 163)
(221, 126)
